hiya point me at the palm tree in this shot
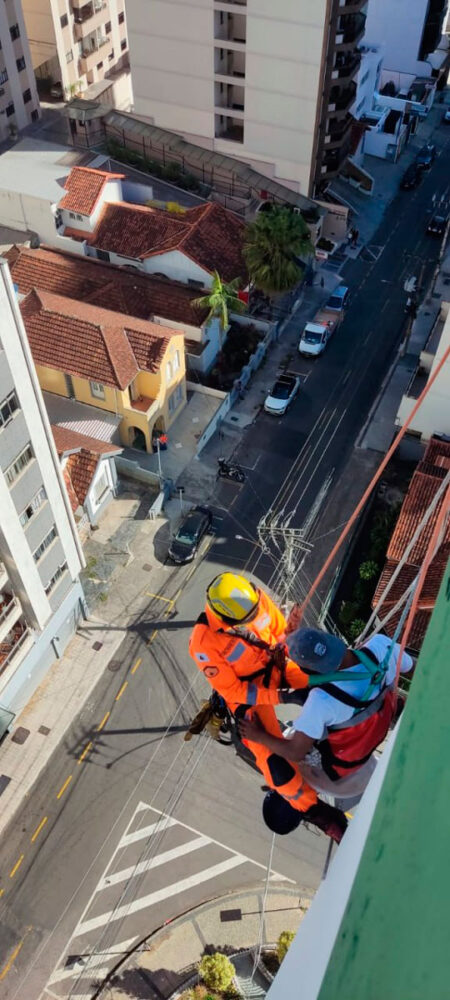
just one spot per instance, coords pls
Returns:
(273, 244)
(221, 299)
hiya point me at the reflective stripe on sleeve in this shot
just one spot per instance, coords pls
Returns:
(252, 694)
(236, 653)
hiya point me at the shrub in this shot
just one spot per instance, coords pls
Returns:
(216, 971)
(368, 570)
(283, 944)
(355, 628)
(348, 611)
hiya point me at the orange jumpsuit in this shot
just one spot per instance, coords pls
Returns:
(229, 663)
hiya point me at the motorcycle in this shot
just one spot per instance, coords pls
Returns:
(230, 470)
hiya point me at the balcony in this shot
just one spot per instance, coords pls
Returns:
(87, 19)
(350, 29)
(10, 611)
(92, 55)
(230, 128)
(3, 576)
(337, 131)
(346, 65)
(229, 64)
(230, 28)
(229, 97)
(351, 6)
(333, 159)
(340, 101)
(17, 640)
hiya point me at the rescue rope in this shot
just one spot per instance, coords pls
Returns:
(299, 611)
(259, 944)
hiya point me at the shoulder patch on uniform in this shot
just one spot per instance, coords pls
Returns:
(211, 671)
(201, 657)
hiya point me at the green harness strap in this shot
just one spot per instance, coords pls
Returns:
(374, 672)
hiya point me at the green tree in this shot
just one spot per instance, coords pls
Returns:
(221, 299)
(273, 244)
(368, 570)
(216, 971)
(283, 944)
(355, 629)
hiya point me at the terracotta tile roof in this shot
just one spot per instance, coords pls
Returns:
(423, 487)
(81, 468)
(84, 187)
(104, 285)
(93, 343)
(74, 502)
(210, 235)
(67, 441)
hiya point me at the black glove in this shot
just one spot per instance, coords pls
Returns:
(297, 696)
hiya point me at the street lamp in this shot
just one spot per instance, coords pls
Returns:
(158, 451)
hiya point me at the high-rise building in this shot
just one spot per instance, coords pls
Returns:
(41, 599)
(75, 43)
(272, 84)
(19, 102)
(411, 32)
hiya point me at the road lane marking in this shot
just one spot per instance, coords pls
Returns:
(153, 636)
(155, 862)
(13, 956)
(64, 786)
(146, 831)
(116, 951)
(159, 895)
(38, 829)
(84, 752)
(159, 597)
(1, 892)
(136, 665)
(104, 721)
(16, 866)
(124, 686)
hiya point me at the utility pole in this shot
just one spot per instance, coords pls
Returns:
(288, 544)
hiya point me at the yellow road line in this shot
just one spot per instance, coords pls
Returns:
(64, 786)
(11, 960)
(136, 665)
(104, 721)
(119, 695)
(16, 866)
(1, 892)
(84, 752)
(152, 637)
(38, 829)
(159, 597)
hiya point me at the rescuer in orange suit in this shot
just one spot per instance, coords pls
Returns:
(238, 644)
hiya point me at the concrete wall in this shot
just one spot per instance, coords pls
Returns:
(398, 26)
(175, 265)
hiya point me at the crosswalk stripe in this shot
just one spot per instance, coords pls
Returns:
(160, 859)
(114, 952)
(146, 831)
(156, 897)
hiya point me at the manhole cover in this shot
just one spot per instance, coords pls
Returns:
(20, 735)
(114, 666)
(44, 730)
(97, 646)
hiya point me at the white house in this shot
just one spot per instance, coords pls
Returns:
(89, 473)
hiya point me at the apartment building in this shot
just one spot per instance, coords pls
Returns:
(411, 33)
(19, 102)
(272, 84)
(41, 599)
(77, 43)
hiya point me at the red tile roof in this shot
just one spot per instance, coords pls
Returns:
(81, 469)
(74, 501)
(84, 187)
(68, 441)
(104, 285)
(209, 235)
(93, 343)
(423, 488)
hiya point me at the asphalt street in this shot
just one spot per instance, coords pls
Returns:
(148, 827)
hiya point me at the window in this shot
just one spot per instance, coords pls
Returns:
(121, 17)
(176, 362)
(69, 56)
(46, 541)
(123, 44)
(3, 76)
(64, 20)
(365, 77)
(111, 56)
(79, 217)
(19, 464)
(36, 502)
(175, 398)
(34, 115)
(101, 487)
(169, 371)
(26, 96)
(99, 65)
(97, 390)
(14, 32)
(20, 63)
(8, 408)
(108, 28)
(54, 579)
(9, 109)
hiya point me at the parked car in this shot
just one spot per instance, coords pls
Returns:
(446, 117)
(193, 527)
(280, 397)
(338, 300)
(57, 90)
(436, 225)
(411, 178)
(426, 156)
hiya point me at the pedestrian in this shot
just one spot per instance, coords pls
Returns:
(355, 235)
(238, 644)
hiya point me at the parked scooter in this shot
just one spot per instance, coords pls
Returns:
(230, 470)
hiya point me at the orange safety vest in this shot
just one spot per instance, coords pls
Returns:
(236, 668)
(350, 745)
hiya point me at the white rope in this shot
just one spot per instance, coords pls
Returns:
(263, 910)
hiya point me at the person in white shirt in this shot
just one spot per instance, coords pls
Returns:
(346, 715)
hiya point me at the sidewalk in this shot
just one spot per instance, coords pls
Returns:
(231, 923)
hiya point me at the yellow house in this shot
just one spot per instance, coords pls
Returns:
(129, 367)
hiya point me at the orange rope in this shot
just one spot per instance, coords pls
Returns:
(298, 610)
(429, 556)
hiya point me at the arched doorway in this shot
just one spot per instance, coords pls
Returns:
(137, 439)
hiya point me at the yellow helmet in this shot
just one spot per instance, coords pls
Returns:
(232, 598)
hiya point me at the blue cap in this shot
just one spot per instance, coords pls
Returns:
(316, 652)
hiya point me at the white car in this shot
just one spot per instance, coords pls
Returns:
(280, 397)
